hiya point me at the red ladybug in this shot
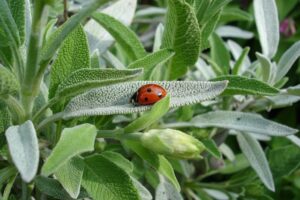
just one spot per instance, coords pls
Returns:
(148, 94)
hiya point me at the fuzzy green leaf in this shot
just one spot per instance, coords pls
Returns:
(99, 38)
(166, 191)
(103, 179)
(237, 68)
(219, 53)
(85, 79)
(246, 122)
(257, 159)
(119, 160)
(17, 9)
(267, 23)
(243, 85)
(150, 61)
(127, 39)
(295, 90)
(55, 40)
(73, 55)
(157, 111)
(266, 65)
(182, 34)
(8, 82)
(73, 141)
(115, 99)
(24, 150)
(5, 119)
(70, 175)
(212, 148)
(8, 25)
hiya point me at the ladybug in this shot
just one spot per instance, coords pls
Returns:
(148, 94)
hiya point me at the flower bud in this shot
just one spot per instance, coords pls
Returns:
(172, 143)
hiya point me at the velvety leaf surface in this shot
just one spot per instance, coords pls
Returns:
(119, 160)
(103, 179)
(17, 9)
(243, 85)
(115, 99)
(73, 55)
(5, 119)
(73, 141)
(182, 34)
(8, 82)
(24, 150)
(85, 79)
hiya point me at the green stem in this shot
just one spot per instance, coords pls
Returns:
(24, 191)
(43, 109)
(48, 120)
(118, 135)
(15, 108)
(28, 94)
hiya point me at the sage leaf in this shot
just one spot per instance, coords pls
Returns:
(127, 39)
(6, 173)
(73, 55)
(51, 187)
(182, 34)
(24, 150)
(237, 51)
(157, 111)
(266, 12)
(85, 79)
(228, 31)
(17, 9)
(266, 66)
(119, 160)
(166, 190)
(257, 159)
(5, 118)
(70, 175)
(295, 90)
(99, 38)
(294, 139)
(115, 99)
(8, 82)
(143, 191)
(246, 122)
(287, 60)
(73, 141)
(55, 40)
(237, 68)
(103, 179)
(212, 148)
(243, 85)
(8, 25)
(219, 53)
(150, 61)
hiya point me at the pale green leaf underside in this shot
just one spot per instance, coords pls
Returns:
(103, 179)
(115, 99)
(257, 159)
(73, 55)
(166, 191)
(86, 79)
(127, 39)
(24, 150)
(70, 175)
(246, 122)
(73, 141)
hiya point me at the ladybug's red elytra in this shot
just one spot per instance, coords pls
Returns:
(148, 94)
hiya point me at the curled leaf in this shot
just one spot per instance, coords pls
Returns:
(115, 99)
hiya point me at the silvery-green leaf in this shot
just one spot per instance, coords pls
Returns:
(287, 60)
(72, 56)
(28, 21)
(17, 9)
(150, 11)
(267, 23)
(246, 122)
(236, 51)
(166, 190)
(143, 191)
(70, 175)
(95, 59)
(216, 194)
(232, 13)
(295, 90)
(24, 150)
(227, 152)
(125, 37)
(8, 82)
(73, 141)
(294, 139)
(182, 34)
(257, 159)
(115, 99)
(113, 60)
(240, 61)
(266, 65)
(233, 32)
(158, 37)
(99, 38)
(85, 79)
(283, 100)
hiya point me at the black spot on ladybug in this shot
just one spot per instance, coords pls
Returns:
(149, 90)
(146, 99)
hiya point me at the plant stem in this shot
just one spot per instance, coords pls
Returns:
(118, 135)
(24, 191)
(28, 94)
(44, 108)
(66, 10)
(48, 120)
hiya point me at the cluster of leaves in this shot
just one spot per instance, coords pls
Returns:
(69, 131)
